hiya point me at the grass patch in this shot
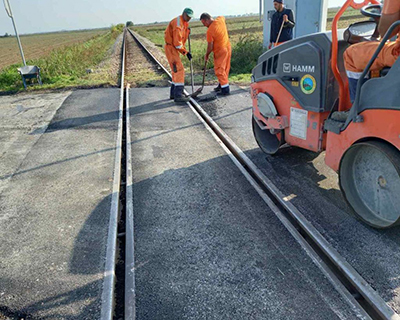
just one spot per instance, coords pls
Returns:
(66, 67)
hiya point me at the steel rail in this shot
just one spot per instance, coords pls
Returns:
(277, 201)
(359, 283)
(130, 293)
(108, 293)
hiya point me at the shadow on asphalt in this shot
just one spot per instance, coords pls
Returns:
(87, 155)
(90, 121)
(186, 242)
(289, 160)
(63, 299)
(87, 248)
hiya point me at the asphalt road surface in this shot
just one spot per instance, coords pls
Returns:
(207, 246)
(313, 187)
(54, 212)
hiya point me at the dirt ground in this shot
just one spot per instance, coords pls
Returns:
(141, 71)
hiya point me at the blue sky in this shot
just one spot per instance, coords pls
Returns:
(54, 15)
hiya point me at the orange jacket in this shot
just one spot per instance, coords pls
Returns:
(391, 7)
(177, 33)
(218, 33)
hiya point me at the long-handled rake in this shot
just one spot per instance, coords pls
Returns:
(279, 34)
(199, 90)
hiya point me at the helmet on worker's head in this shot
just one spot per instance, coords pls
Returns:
(189, 12)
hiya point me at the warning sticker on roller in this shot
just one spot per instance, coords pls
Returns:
(298, 123)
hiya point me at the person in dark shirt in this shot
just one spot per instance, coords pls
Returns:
(285, 16)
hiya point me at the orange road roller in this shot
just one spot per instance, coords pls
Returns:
(300, 98)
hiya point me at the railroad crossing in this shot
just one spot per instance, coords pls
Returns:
(116, 203)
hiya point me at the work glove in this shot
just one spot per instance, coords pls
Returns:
(189, 56)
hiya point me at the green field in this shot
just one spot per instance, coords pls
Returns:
(69, 63)
(40, 45)
(246, 34)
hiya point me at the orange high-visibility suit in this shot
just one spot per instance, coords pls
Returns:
(175, 36)
(357, 56)
(218, 34)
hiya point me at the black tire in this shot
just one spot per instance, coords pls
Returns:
(269, 143)
(369, 178)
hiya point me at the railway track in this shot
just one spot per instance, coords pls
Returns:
(118, 299)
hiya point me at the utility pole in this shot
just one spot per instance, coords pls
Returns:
(9, 12)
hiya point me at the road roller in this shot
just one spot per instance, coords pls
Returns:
(300, 98)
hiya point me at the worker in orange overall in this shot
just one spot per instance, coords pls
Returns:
(357, 56)
(176, 35)
(219, 44)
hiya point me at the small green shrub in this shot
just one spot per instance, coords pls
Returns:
(245, 54)
(117, 29)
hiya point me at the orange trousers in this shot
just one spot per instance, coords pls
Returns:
(174, 60)
(222, 65)
(357, 56)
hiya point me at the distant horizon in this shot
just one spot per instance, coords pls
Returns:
(47, 16)
(138, 24)
(56, 31)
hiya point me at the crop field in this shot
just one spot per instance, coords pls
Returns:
(83, 59)
(39, 45)
(246, 35)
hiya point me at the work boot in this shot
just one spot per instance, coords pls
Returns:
(172, 92)
(224, 91)
(218, 89)
(179, 97)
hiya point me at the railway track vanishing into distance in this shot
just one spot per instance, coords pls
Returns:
(118, 298)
